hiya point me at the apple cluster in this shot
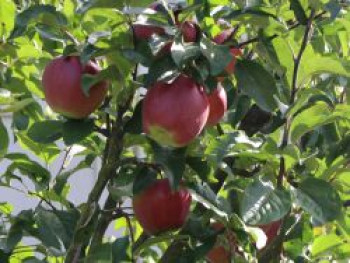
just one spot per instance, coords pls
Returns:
(175, 113)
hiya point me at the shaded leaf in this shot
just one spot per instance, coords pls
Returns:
(172, 161)
(4, 139)
(263, 204)
(309, 119)
(38, 174)
(219, 56)
(223, 146)
(76, 130)
(182, 53)
(45, 131)
(257, 83)
(318, 198)
(24, 18)
(298, 11)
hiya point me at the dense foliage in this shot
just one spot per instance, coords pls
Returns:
(280, 155)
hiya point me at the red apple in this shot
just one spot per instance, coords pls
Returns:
(230, 68)
(63, 91)
(189, 31)
(159, 209)
(218, 254)
(224, 36)
(224, 247)
(174, 114)
(144, 32)
(217, 104)
(271, 230)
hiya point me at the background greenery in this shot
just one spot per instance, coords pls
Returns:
(282, 152)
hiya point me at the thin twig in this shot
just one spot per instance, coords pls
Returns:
(257, 39)
(131, 232)
(294, 90)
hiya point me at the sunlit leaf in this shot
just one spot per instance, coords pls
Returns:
(263, 204)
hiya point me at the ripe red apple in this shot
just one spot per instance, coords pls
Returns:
(218, 254)
(217, 104)
(144, 32)
(230, 68)
(222, 37)
(63, 91)
(271, 230)
(189, 31)
(224, 247)
(160, 209)
(174, 114)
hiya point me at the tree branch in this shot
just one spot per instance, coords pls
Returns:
(294, 90)
(257, 39)
(83, 230)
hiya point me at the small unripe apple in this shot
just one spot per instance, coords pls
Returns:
(158, 208)
(217, 105)
(189, 31)
(173, 114)
(63, 90)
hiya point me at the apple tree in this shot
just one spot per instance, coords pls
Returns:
(221, 128)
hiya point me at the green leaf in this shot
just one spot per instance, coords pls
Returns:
(182, 52)
(200, 166)
(5, 208)
(325, 243)
(262, 204)
(159, 239)
(313, 64)
(318, 198)
(219, 56)
(122, 184)
(225, 144)
(161, 69)
(203, 194)
(38, 174)
(7, 16)
(172, 161)
(34, 12)
(17, 105)
(76, 130)
(23, 222)
(20, 121)
(309, 119)
(4, 139)
(51, 231)
(334, 8)
(45, 131)
(46, 152)
(101, 254)
(257, 83)
(119, 250)
(298, 11)
(134, 125)
(144, 178)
